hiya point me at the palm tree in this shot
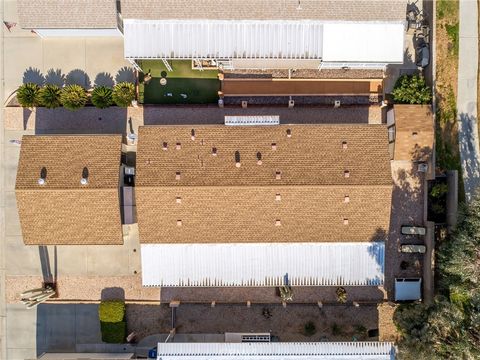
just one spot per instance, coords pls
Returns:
(102, 97)
(341, 295)
(27, 95)
(123, 94)
(73, 97)
(49, 96)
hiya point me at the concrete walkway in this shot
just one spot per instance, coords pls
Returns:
(467, 96)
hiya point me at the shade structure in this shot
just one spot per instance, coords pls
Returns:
(409, 289)
(368, 350)
(264, 39)
(263, 264)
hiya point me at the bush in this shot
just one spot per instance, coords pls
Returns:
(102, 97)
(73, 97)
(309, 328)
(124, 94)
(49, 96)
(411, 89)
(111, 311)
(27, 94)
(113, 332)
(341, 295)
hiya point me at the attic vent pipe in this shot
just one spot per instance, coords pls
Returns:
(259, 158)
(237, 159)
(193, 134)
(43, 176)
(214, 151)
(84, 179)
(165, 146)
(289, 133)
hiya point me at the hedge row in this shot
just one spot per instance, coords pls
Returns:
(74, 97)
(112, 321)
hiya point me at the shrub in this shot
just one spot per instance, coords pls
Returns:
(341, 295)
(73, 97)
(336, 329)
(113, 332)
(49, 96)
(309, 328)
(27, 94)
(111, 311)
(102, 97)
(411, 89)
(123, 94)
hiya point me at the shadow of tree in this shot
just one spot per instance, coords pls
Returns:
(78, 77)
(104, 79)
(125, 74)
(33, 75)
(113, 293)
(55, 77)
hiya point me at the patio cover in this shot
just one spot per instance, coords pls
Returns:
(408, 289)
(307, 264)
(368, 350)
(272, 39)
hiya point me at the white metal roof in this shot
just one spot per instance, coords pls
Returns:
(186, 39)
(408, 289)
(278, 350)
(377, 42)
(248, 120)
(363, 42)
(265, 264)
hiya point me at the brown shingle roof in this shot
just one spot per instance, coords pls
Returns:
(62, 211)
(348, 10)
(67, 14)
(216, 201)
(414, 132)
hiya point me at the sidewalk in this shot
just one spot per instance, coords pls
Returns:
(467, 97)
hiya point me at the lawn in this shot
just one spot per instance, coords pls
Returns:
(184, 85)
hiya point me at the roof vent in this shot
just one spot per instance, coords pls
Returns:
(346, 173)
(178, 200)
(193, 134)
(179, 222)
(278, 197)
(414, 134)
(42, 180)
(278, 175)
(274, 146)
(84, 179)
(177, 175)
(289, 133)
(344, 145)
(345, 221)
(165, 146)
(259, 158)
(178, 146)
(214, 151)
(237, 159)
(278, 222)
(346, 199)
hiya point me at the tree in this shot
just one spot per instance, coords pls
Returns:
(411, 89)
(73, 97)
(124, 94)
(102, 97)
(27, 95)
(49, 96)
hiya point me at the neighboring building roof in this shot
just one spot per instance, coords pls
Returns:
(315, 264)
(260, 39)
(214, 201)
(346, 10)
(371, 350)
(67, 14)
(414, 132)
(63, 211)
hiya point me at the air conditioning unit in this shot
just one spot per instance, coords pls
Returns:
(337, 104)
(422, 167)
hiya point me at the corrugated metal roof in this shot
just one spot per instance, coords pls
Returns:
(276, 350)
(307, 264)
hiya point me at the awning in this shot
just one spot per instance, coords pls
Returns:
(408, 289)
(368, 350)
(263, 264)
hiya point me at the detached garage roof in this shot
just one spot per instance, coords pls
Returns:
(368, 350)
(275, 39)
(316, 264)
(67, 14)
(54, 207)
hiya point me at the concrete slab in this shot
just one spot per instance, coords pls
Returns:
(58, 323)
(12, 222)
(107, 261)
(71, 260)
(20, 323)
(21, 354)
(10, 166)
(67, 55)
(21, 259)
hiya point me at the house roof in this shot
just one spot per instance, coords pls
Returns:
(414, 132)
(345, 10)
(216, 201)
(312, 264)
(62, 210)
(67, 14)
